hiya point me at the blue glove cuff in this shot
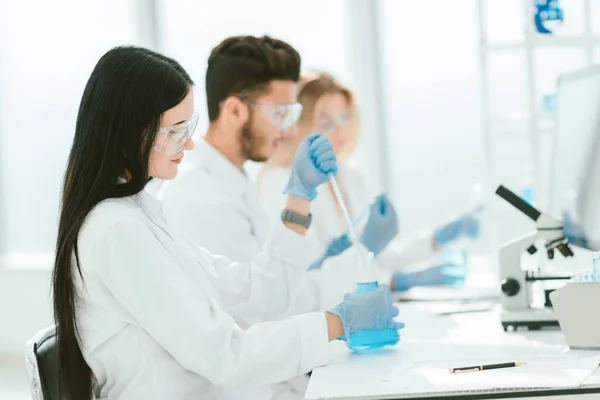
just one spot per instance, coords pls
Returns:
(337, 312)
(401, 282)
(372, 248)
(317, 264)
(440, 238)
(295, 188)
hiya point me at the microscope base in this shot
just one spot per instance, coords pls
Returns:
(531, 319)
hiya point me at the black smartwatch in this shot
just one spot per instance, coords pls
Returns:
(295, 218)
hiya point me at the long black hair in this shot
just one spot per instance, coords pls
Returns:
(119, 117)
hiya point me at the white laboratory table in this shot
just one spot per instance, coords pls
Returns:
(430, 336)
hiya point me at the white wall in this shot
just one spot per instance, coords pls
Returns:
(25, 307)
(432, 102)
(49, 49)
(3, 232)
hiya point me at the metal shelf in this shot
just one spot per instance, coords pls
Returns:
(519, 126)
(529, 122)
(543, 41)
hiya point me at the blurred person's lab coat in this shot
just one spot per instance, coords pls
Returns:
(329, 224)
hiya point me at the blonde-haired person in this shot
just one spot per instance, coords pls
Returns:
(329, 108)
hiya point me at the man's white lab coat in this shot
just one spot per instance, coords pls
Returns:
(329, 224)
(214, 204)
(155, 312)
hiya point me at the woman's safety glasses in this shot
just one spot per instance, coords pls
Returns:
(327, 124)
(281, 116)
(170, 139)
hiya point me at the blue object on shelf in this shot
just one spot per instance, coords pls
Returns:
(548, 103)
(596, 267)
(546, 11)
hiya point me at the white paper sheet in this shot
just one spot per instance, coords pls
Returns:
(566, 371)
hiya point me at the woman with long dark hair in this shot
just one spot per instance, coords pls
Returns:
(140, 312)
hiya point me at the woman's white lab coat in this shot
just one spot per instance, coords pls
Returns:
(328, 222)
(155, 312)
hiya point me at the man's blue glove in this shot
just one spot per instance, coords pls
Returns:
(574, 232)
(444, 274)
(467, 225)
(335, 247)
(372, 310)
(382, 225)
(313, 161)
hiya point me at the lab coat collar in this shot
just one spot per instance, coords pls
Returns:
(153, 208)
(150, 204)
(205, 156)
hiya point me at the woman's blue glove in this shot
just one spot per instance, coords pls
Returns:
(382, 225)
(372, 310)
(574, 232)
(467, 225)
(335, 247)
(448, 273)
(313, 161)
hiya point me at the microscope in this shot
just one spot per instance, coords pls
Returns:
(518, 282)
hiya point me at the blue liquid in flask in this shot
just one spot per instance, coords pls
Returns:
(363, 340)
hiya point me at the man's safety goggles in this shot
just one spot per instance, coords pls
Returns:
(281, 116)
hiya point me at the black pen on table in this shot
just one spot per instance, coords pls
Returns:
(484, 367)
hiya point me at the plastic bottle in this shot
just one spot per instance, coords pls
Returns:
(596, 267)
(526, 192)
(548, 104)
(475, 209)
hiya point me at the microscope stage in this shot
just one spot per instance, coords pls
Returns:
(532, 319)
